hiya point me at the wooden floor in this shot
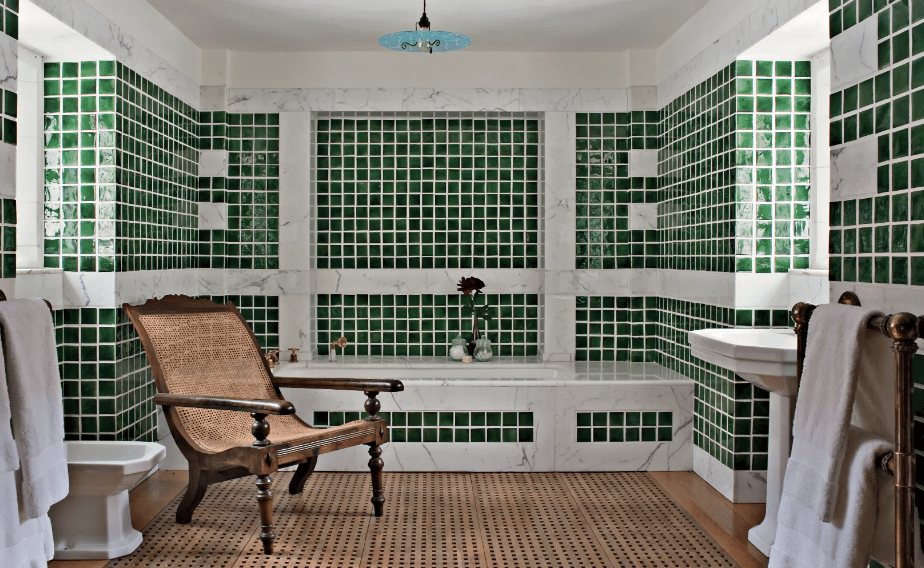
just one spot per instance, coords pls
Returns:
(727, 524)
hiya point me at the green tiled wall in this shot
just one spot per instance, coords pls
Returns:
(261, 313)
(605, 190)
(8, 112)
(8, 238)
(445, 427)
(120, 171)
(106, 382)
(730, 416)
(427, 191)
(424, 324)
(9, 18)
(619, 427)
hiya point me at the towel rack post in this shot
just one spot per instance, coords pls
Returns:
(902, 328)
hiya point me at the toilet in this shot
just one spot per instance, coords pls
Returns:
(93, 521)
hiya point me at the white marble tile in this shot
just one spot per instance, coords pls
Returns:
(213, 163)
(140, 286)
(643, 216)
(588, 282)
(211, 281)
(426, 281)
(261, 282)
(643, 163)
(213, 97)
(762, 290)
(855, 54)
(645, 282)
(44, 283)
(88, 22)
(643, 98)
(90, 289)
(716, 288)
(629, 456)
(370, 100)
(9, 63)
(574, 100)
(213, 216)
(559, 339)
(473, 100)
(7, 170)
(808, 286)
(736, 486)
(295, 328)
(280, 100)
(560, 208)
(853, 169)
(296, 198)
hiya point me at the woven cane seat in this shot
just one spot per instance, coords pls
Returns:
(213, 354)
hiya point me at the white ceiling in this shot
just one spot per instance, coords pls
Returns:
(493, 25)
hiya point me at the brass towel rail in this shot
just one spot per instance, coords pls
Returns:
(904, 329)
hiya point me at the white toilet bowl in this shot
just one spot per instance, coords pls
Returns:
(93, 521)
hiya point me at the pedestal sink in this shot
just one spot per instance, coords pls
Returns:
(765, 358)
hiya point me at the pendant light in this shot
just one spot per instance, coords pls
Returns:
(423, 40)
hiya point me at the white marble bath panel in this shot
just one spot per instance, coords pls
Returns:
(520, 457)
(428, 100)
(213, 216)
(137, 287)
(643, 216)
(759, 24)
(88, 22)
(810, 286)
(7, 170)
(44, 283)
(853, 169)
(9, 63)
(559, 342)
(211, 281)
(736, 486)
(855, 54)
(560, 206)
(574, 100)
(643, 98)
(426, 281)
(213, 97)
(676, 455)
(213, 163)
(762, 290)
(588, 282)
(643, 163)
(296, 200)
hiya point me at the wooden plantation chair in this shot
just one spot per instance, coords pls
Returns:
(210, 374)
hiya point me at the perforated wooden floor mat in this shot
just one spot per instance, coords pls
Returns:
(436, 520)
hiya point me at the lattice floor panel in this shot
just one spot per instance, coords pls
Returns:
(436, 520)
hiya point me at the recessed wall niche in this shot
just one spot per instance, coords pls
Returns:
(428, 190)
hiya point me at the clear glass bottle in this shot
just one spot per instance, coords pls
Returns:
(459, 348)
(483, 349)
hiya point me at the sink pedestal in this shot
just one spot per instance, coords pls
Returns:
(781, 413)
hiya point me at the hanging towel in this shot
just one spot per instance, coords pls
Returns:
(9, 457)
(858, 521)
(35, 400)
(23, 543)
(825, 405)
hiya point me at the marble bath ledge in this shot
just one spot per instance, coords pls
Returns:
(499, 371)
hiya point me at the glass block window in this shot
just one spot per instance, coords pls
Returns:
(619, 427)
(605, 190)
(425, 324)
(428, 191)
(445, 426)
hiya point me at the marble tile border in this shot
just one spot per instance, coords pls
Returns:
(736, 486)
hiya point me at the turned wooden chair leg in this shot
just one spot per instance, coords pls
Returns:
(304, 471)
(265, 500)
(195, 491)
(375, 466)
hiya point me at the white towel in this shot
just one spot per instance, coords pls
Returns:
(35, 400)
(9, 457)
(837, 334)
(24, 543)
(803, 541)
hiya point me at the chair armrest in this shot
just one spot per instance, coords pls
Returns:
(369, 385)
(282, 407)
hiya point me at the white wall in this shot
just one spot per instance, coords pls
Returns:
(29, 161)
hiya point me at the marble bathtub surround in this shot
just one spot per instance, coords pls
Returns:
(444, 427)
(428, 191)
(622, 427)
(876, 231)
(423, 324)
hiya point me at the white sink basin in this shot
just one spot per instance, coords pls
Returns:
(765, 358)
